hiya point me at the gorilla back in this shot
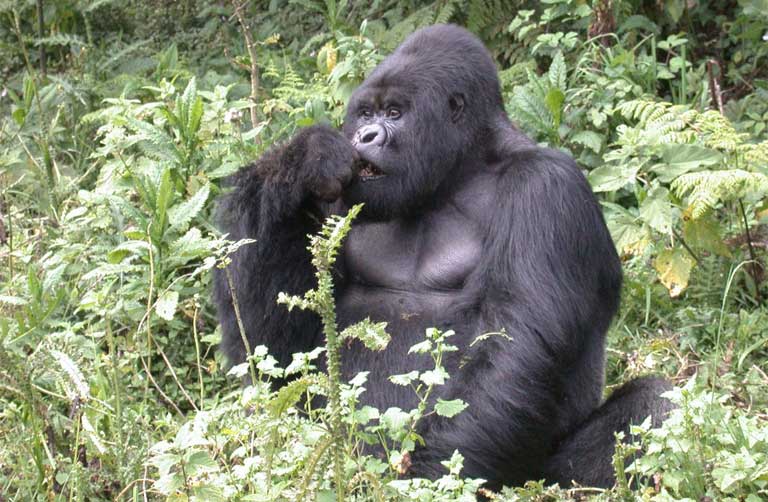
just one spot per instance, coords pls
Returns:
(467, 225)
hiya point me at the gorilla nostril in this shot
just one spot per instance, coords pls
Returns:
(369, 136)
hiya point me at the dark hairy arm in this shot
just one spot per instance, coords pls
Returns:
(278, 201)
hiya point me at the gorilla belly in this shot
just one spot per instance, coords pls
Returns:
(408, 315)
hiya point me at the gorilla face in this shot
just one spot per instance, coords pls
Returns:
(416, 116)
(391, 127)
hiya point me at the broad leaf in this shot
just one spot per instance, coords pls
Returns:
(704, 233)
(674, 269)
(166, 305)
(679, 159)
(657, 211)
(181, 214)
(449, 408)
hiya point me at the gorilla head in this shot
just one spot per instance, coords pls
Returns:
(425, 110)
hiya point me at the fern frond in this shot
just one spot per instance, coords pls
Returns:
(706, 188)
(660, 122)
(756, 155)
(445, 14)
(718, 132)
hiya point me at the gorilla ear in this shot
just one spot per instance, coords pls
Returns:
(456, 102)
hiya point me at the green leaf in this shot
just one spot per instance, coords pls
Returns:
(589, 139)
(155, 142)
(675, 9)
(127, 248)
(674, 269)
(705, 233)
(181, 214)
(405, 378)
(554, 100)
(373, 335)
(394, 419)
(421, 347)
(436, 376)
(449, 408)
(657, 211)
(166, 305)
(288, 395)
(19, 114)
(190, 109)
(199, 461)
(326, 496)
(679, 159)
(558, 72)
(611, 177)
(630, 236)
(162, 201)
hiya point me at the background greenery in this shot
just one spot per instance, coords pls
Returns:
(119, 120)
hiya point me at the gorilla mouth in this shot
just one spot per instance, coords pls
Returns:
(368, 171)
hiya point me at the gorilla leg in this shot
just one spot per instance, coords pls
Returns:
(585, 455)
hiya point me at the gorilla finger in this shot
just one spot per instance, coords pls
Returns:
(329, 190)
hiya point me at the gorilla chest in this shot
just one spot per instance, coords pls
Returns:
(433, 256)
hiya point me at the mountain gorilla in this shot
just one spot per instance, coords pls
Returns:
(467, 225)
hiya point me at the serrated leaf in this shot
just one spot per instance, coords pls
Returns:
(657, 211)
(436, 376)
(181, 214)
(162, 201)
(13, 300)
(199, 461)
(611, 177)
(630, 236)
(558, 72)
(166, 305)
(373, 335)
(589, 139)
(421, 347)
(161, 146)
(674, 269)
(450, 408)
(679, 159)
(288, 395)
(405, 378)
(394, 419)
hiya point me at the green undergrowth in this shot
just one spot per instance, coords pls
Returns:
(120, 121)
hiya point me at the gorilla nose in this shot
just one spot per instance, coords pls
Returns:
(370, 135)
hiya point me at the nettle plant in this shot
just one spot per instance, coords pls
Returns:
(268, 443)
(708, 449)
(160, 161)
(678, 182)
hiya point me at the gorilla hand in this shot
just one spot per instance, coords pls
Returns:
(327, 164)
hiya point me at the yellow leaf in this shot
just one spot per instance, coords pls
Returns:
(674, 269)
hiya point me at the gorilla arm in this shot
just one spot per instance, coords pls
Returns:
(276, 201)
(550, 278)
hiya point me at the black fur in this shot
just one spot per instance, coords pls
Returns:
(467, 225)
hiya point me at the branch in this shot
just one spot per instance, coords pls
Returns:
(40, 33)
(249, 44)
(714, 84)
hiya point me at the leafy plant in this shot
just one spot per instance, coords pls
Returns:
(684, 168)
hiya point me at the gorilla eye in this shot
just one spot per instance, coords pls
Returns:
(365, 113)
(393, 113)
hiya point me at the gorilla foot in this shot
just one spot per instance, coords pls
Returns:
(586, 455)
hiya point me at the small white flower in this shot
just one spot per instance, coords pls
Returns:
(233, 116)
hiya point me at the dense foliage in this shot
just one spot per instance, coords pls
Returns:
(119, 122)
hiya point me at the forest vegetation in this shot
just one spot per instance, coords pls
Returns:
(120, 120)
